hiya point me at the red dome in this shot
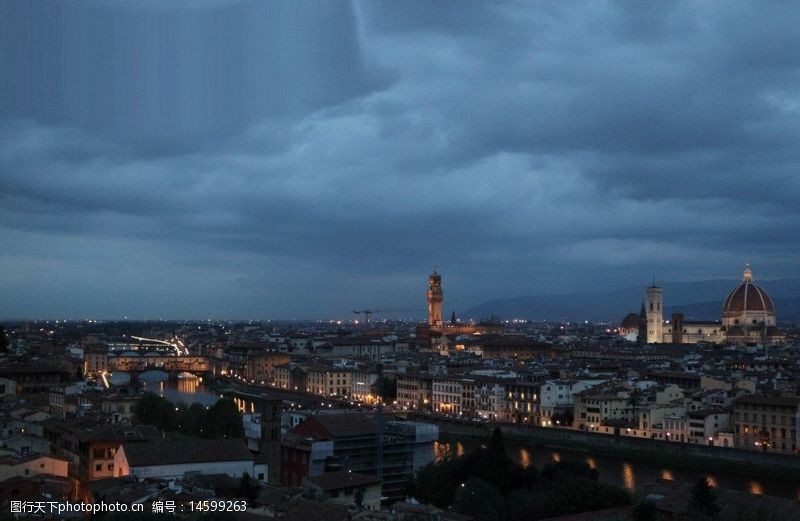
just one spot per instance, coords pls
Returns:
(631, 321)
(748, 296)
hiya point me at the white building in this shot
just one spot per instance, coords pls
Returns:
(490, 400)
(32, 465)
(347, 488)
(558, 396)
(175, 459)
(447, 394)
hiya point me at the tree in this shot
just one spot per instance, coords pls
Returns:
(247, 489)
(633, 402)
(436, 483)
(488, 485)
(491, 463)
(3, 341)
(704, 500)
(479, 499)
(497, 444)
(152, 409)
(224, 420)
(194, 420)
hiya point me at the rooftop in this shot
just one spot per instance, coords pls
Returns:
(189, 451)
(338, 480)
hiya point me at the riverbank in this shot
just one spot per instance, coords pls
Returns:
(714, 459)
(255, 393)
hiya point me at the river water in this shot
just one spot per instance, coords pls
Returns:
(631, 475)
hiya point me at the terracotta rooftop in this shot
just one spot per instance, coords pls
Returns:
(191, 451)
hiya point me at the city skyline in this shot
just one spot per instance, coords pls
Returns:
(301, 172)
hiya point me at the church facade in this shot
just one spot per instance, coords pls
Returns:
(748, 317)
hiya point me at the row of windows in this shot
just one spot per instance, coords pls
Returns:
(773, 431)
(783, 420)
(764, 408)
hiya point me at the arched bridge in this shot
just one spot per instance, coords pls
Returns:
(169, 364)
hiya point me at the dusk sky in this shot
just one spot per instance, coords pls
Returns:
(249, 159)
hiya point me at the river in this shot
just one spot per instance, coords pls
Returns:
(631, 475)
(183, 390)
(628, 474)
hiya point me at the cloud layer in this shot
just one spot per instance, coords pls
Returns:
(298, 159)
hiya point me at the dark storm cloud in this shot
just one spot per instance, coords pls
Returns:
(242, 158)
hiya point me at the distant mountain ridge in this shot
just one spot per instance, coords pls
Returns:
(701, 300)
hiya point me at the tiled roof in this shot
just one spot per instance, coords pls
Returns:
(191, 451)
(345, 424)
(337, 480)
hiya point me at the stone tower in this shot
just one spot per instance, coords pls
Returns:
(269, 445)
(654, 302)
(435, 299)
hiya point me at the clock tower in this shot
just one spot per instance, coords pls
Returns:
(435, 297)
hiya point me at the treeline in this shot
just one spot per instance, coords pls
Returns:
(221, 420)
(489, 486)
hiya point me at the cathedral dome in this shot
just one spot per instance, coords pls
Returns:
(631, 321)
(748, 296)
(773, 331)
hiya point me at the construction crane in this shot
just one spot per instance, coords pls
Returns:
(366, 313)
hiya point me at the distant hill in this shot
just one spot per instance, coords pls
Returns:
(697, 300)
(786, 309)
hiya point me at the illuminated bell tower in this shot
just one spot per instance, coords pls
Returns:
(654, 301)
(435, 299)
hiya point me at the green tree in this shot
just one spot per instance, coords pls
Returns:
(194, 420)
(497, 444)
(152, 409)
(704, 499)
(436, 483)
(490, 463)
(224, 420)
(480, 500)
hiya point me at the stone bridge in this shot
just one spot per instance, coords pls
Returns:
(169, 364)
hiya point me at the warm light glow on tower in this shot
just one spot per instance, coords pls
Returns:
(435, 297)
